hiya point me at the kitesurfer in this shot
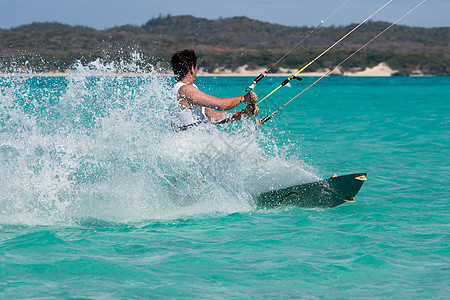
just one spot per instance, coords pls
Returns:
(195, 106)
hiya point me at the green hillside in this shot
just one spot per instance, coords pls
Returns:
(224, 43)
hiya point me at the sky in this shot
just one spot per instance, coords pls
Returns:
(104, 14)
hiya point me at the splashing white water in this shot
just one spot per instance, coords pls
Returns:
(98, 144)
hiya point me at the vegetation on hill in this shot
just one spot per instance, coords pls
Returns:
(224, 44)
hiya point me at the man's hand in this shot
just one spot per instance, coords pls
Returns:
(250, 98)
(250, 110)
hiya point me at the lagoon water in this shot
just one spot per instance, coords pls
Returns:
(100, 199)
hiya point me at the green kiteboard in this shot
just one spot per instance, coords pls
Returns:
(329, 192)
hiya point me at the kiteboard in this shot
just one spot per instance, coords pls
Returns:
(325, 193)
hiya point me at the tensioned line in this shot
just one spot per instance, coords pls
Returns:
(323, 53)
(312, 31)
(262, 75)
(265, 119)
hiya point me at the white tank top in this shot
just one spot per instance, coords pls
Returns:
(186, 116)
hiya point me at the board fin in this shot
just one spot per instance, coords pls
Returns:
(361, 177)
(349, 199)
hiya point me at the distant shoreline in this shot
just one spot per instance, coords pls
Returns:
(381, 70)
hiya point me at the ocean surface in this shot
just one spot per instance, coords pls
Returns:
(100, 199)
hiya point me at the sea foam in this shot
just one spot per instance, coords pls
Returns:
(98, 144)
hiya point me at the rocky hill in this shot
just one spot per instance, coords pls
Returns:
(225, 43)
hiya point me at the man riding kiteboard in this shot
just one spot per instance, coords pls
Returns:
(196, 107)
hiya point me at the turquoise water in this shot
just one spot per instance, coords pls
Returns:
(99, 199)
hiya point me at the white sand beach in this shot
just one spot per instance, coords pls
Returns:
(381, 70)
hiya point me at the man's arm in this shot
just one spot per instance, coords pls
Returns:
(189, 95)
(223, 117)
(216, 116)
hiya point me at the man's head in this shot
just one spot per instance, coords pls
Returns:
(182, 61)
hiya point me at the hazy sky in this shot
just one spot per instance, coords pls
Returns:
(102, 14)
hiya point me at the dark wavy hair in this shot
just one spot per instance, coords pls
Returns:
(182, 61)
